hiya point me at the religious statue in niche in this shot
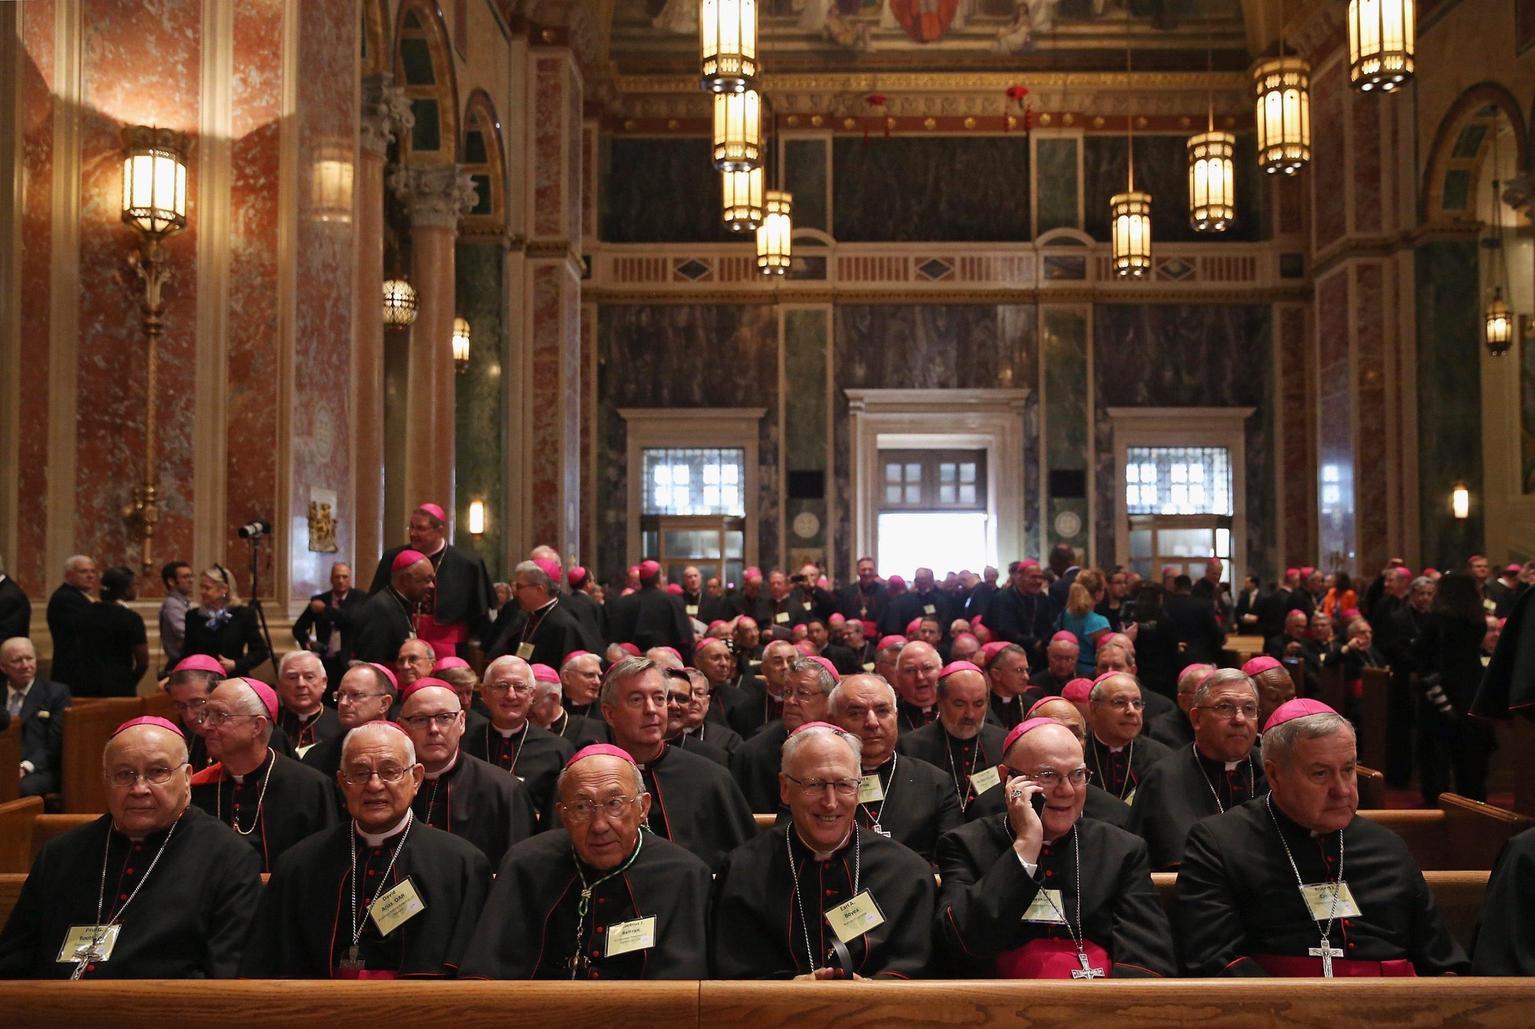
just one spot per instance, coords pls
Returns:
(322, 526)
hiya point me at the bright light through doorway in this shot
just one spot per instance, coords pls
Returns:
(945, 541)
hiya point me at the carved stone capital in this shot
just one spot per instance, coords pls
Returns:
(434, 196)
(385, 114)
(1519, 193)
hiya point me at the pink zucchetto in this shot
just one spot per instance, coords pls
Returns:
(1024, 727)
(1300, 707)
(406, 558)
(600, 750)
(1079, 691)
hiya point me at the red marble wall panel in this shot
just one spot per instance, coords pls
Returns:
(549, 113)
(34, 83)
(140, 66)
(251, 382)
(1329, 172)
(1297, 451)
(1364, 110)
(1370, 397)
(574, 182)
(321, 420)
(570, 406)
(546, 465)
(589, 182)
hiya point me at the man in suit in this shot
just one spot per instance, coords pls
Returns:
(387, 618)
(329, 618)
(39, 705)
(67, 609)
(456, 610)
(1063, 562)
(15, 608)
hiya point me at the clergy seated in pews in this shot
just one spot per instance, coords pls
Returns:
(511, 741)
(548, 708)
(1217, 772)
(188, 686)
(304, 718)
(1295, 883)
(455, 671)
(365, 694)
(701, 725)
(1007, 673)
(596, 898)
(819, 896)
(694, 802)
(1116, 653)
(760, 701)
(754, 764)
(382, 896)
(154, 889)
(917, 668)
(899, 796)
(1505, 938)
(961, 742)
(460, 793)
(679, 702)
(1117, 754)
(716, 659)
(1173, 728)
(1041, 892)
(270, 801)
(1275, 686)
(581, 679)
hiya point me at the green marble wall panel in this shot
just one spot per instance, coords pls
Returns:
(1161, 169)
(805, 335)
(1063, 346)
(929, 189)
(806, 165)
(1055, 183)
(660, 191)
(480, 400)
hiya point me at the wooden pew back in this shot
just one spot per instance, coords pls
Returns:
(1376, 683)
(10, 757)
(87, 727)
(16, 818)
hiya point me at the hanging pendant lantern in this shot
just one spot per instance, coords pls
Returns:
(400, 303)
(1212, 181)
(1499, 320)
(773, 235)
(1381, 43)
(1130, 215)
(727, 35)
(737, 131)
(1283, 87)
(742, 193)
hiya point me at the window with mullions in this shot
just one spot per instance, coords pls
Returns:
(930, 480)
(1178, 480)
(694, 481)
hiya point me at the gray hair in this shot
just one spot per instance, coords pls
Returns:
(78, 559)
(823, 678)
(802, 736)
(1422, 581)
(1098, 687)
(431, 652)
(1222, 677)
(410, 746)
(294, 655)
(835, 700)
(542, 689)
(634, 770)
(534, 574)
(1279, 741)
(622, 671)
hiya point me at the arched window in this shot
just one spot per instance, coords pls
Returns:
(482, 160)
(424, 69)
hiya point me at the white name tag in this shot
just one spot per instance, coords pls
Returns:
(626, 937)
(1045, 908)
(692, 610)
(869, 790)
(1130, 798)
(525, 651)
(91, 942)
(852, 919)
(1319, 898)
(299, 752)
(868, 666)
(929, 609)
(985, 779)
(781, 617)
(396, 907)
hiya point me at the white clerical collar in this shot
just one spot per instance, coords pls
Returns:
(1110, 748)
(507, 734)
(1232, 766)
(378, 840)
(445, 769)
(824, 855)
(440, 548)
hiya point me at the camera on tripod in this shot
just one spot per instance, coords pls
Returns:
(255, 529)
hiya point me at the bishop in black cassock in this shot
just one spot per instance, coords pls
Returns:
(1505, 937)
(1117, 753)
(272, 807)
(510, 740)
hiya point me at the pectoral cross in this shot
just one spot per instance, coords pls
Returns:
(352, 961)
(880, 829)
(579, 965)
(1326, 952)
(1087, 971)
(84, 955)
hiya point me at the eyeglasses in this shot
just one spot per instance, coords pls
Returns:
(388, 775)
(812, 787)
(353, 698)
(678, 700)
(217, 718)
(1049, 777)
(804, 696)
(443, 720)
(1227, 710)
(582, 811)
(521, 689)
(189, 706)
(127, 778)
(1127, 704)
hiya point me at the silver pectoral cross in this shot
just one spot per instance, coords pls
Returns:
(1087, 971)
(84, 955)
(1326, 952)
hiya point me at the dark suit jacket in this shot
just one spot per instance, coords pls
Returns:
(238, 639)
(648, 618)
(42, 727)
(15, 609)
(335, 619)
(67, 609)
(464, 593)
(380, 625)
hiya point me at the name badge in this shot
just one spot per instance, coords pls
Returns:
(1319, 899)
(89, 942)
(299, 752)
(525, 651)
(781, 617)
(1130, 798)
(869, 790)
(855, 917)
(985, 779)
(929, 609)
(626, 937)
(692, 610)
(396, 907)
(1045, 908)
(1489, 604)
(868, 666)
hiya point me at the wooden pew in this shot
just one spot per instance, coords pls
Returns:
(10, 757)
(48, 827)
(16, 818)
(1372, 787)
(1373, 717)
(1460, 833)
(765, 822)
(87, 726)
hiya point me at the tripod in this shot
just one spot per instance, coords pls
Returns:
(255, 602)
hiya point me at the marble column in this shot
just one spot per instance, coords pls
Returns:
(434, 198)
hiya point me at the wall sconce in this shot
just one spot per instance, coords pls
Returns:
(461, 345)
(1460, 501)
(330, 185)
(476, 517)
(155, 205)
(400, 303)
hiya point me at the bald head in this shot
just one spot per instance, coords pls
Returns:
(386, 738)
(1063, 711)
(916, 674)
(1031, 748)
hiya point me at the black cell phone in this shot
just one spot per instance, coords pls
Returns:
(1038, 801)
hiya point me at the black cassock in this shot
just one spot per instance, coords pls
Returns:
(381, 625)
(1010, 712)
(1184, 788)
(959, 759)
(1238, 898)
(298, 802)
(1100, 806)
(303, 928)
(476, 801)
(754, 765)
(1120, 772)
(1505, 936)
(693, 745)
(987, 893)
(909, 718)
(189, 921)
(1170, 728)
(919, 804)
(753, 708)
(649, 618)
(530, 926)
(759, 932)
(552, 631)
(535, 756)
(306, 732)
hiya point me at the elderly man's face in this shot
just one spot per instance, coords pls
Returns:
(227, 726)
(1295, 625)
(412, 662)
(434, 718)
(1226, 724)
(341, 578)
(803, 700)
(965, 648)
(778, 585)
(698, 702)
(775, 664)
(601, 837)
(866, 709)
(581, 679)
(82, 575)
(1188, 685)
(1115, 716)
(746, 634)
(1361, 634)
(1114, 659)
(1316, 786)
(1321, 628)
(962, 708)
(853, 637)
(1065, 712)
(922, 581)
(359, 698)
(378, 780)
(1062, 658)
(424, 536)
(916, 674)
(1009, 674)
(1275, 687)
(1422, 597)
(146, 753)
(414, 580)
(637, 714)
(1057, 752)
(692, 579)
(716, 662)
(302, 684)
(18, 660)
(508, 692)
(1031, 578)
(814, 786)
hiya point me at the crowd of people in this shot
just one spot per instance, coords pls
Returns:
(965, 777)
